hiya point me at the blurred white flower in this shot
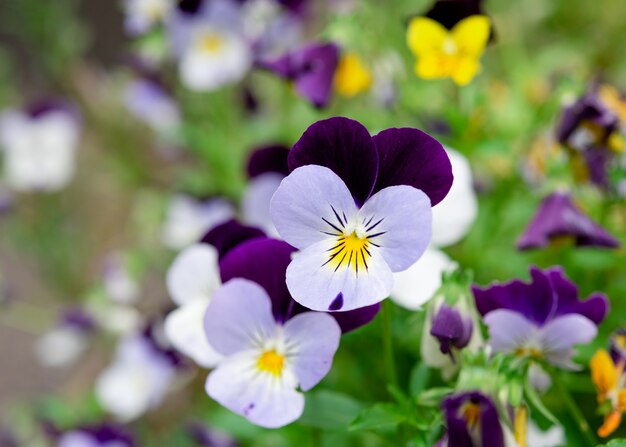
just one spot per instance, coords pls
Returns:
(150, 103)
(39, 148)
(119, 285)
(452, 219)
(141, 15)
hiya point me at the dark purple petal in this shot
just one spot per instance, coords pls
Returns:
(457, 409)
(589, 109)
(412, 157)
(344, 146)
(311, 69)
(77, 318)
(229, 235)
(190, 6)
(596, 307)
(618, 346)
(354, 319)
(41, 108)
(268, 159)
(265, 262)
(109, 433)
(557, 216)
(535, 300)
(597, 160)
(451, 329)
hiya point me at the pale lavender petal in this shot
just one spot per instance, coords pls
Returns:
(255, 205)
(304, 207)
(313, 338)
(508, 330)
(263, 399)
(239, 317)
(398, 219)
(561, 334)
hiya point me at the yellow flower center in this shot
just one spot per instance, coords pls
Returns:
(529, 351)
(471, 413)
(271, 362)
(211, 43)
(350, 251)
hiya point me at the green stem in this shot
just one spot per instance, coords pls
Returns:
(389, 357)
(575, 412)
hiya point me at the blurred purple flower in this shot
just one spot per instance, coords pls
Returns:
(105, 435)
(558, 217)
(149, 102)
(472, 421)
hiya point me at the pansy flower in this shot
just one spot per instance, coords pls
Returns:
(267, 167)
(66, 342)
(39, 146)
(139, 376)
(209, 44)
(104, 435)
(472, 420)
(452, 219)
(449, 41)
(141, 15)
(558, 218)
(150, 102)
(310, 69)
(358, 208)
(541, 320)
(191, 280)
(187, 219)
(270, 349)
(609, 377)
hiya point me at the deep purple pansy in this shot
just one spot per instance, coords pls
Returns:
(585, 123)
(472, 421)
(540, 320)
(451, 329)
(265, 262)
(359, 209)
(558, 217)
(311, 69)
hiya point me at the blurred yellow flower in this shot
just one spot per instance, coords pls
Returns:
(352, 76)
(608, 378)
(441, 53)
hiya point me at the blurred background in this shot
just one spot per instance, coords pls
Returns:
(101, 237)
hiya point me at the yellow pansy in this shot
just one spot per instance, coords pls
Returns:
(352, 76)
(608, 379)
(455, 53)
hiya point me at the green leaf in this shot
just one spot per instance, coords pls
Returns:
(382, 416)
(615, 443)
(420, 375)
(535, 401)
(329, 410)
(433, 396)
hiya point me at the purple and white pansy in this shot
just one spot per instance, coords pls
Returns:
(209, 44)
(140, 375)
(452, 219)
(39, 146)
(541, 320)
(66, 342)
(142, 15)
(104, 435)
(358, 208)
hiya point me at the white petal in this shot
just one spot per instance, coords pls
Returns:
(194, 274)
(304, 199)
(184, 328)
(454, 215)
(416, 285)
(60, 347)
(509, 330)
